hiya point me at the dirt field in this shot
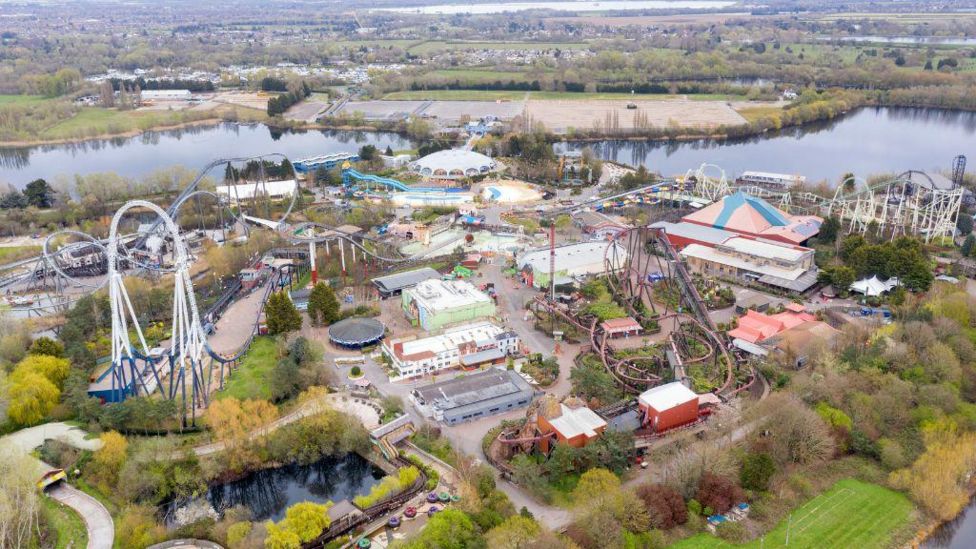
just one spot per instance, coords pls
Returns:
(244, 99)
(559, 116)
(454, 110)
(382, 110)
(306, 111)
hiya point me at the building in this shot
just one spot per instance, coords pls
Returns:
(326, 161)
(470, 346)
(751, 260)
(433, 304)
(598, 225)
(621, 327)
(166, 95)
(247, 191)
(473, 396)
(572, 261)
(681, 235)
(394, 284)
(755, 327)
(781, 181)
(800, 343)
(668, 406)
(752, 216)
(453, 164)
(572, 423)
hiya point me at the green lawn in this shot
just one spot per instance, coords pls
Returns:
(66, 522)
(251, 379)
(851, 514)
(504, 95)
(21, 99)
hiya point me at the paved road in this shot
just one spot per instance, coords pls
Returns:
(98, 521)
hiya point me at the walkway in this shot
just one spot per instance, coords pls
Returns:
(98, 521)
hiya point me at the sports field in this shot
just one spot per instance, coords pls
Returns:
(851, 514)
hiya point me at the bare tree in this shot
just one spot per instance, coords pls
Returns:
(19, 505)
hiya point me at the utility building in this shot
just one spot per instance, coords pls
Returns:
(473, 396)
(433, 304)
(668, 406)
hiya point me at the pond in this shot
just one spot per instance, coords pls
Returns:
(866, 141)
(958, 533)
(268, 493)
(190, 147)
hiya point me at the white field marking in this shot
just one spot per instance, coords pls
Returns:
(846, 493)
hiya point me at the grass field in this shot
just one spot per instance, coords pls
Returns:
(95, 121)
(484, 74)
(252, 377)
(755, 113)
(851, 514)
(66, 522)
(21, 99)
(431, 46)
(503, 95)
(13, 253)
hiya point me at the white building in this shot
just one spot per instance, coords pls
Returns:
(166, 95)
(573, 260)
(470, 345)
(435, 303)
(247, 191)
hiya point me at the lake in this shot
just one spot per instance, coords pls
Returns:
(866, 141)
(958, 533)
(268, 493)
(587, 6)
(191, 147)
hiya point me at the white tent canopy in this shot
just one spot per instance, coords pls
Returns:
(873, 286)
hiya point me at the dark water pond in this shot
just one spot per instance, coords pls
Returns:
(192, 147)
(958, 533)
(270, 492)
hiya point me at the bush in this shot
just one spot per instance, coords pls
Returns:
(756, 471)
(356, 371)
(388, 487)
(718, 493)
(734, 532)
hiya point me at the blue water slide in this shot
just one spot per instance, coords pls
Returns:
(350, 174)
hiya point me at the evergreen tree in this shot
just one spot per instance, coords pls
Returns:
(323, 306)
(39, 193)
(281, 314)
(968, 244)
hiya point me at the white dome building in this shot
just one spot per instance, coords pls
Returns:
(453, 164)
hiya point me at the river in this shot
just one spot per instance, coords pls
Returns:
(190, 147)
(958, 533)
(268, 493)
(866, 141)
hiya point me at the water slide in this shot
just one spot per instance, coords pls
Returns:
(350, 174)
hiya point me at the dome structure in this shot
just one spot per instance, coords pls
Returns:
(453, 164)
(356, 332)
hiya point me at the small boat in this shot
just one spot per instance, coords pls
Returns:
(364, 543)
(432, 498)
(433, 509)
(394, 522)
(444, 497)
(410, 512)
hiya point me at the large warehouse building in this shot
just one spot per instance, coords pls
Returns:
(668, 406)
(433, 304)
(473, 396)
(453, 164)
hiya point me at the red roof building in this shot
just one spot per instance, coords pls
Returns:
(755, 327)
(753, 216)
(621, 327)
(668, 406)
(575, 425)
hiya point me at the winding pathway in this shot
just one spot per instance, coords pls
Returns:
(98, 521)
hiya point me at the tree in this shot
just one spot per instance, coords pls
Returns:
(20, 505)
(367, 152)
(718, 493)
(829, 229)
(389, 151)
(110, 458)
(937, 479)
(449, 529)
(515, 533)
(38, 193)
(237, 425)
(280, 537)
(306, 520)
(54, 369)
(281, 314)
(842, 277)
(665, 506)
(796, 434)
(13, 200)
(323, 306)
(964, 223)
(32, 397)
(967, 245)
(756, 471)
(46, 346)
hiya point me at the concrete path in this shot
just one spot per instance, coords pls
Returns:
(98, 521)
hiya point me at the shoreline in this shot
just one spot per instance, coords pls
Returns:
(934, 524)
(125, 135)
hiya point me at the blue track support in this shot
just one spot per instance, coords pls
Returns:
(349, 174)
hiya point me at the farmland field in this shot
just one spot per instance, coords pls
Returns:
(438, 45)
(851, 514)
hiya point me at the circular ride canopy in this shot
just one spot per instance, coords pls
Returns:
(356, 332)
(453, 164)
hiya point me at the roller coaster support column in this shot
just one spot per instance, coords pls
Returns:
(311, 255)
(552, 260)
(342, 258)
